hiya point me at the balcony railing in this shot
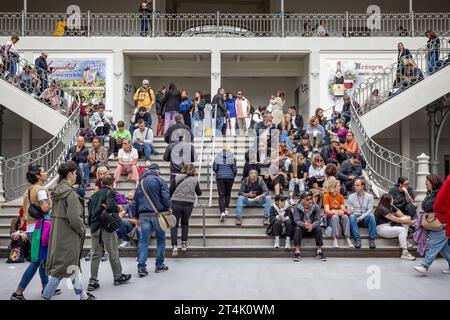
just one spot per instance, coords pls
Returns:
(87, 24)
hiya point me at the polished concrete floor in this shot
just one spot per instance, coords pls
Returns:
(224, 279)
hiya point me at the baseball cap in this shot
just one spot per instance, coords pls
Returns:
(154, 166)
(306, 194)
(145, 81)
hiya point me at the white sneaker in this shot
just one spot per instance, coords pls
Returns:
(174, 251)
(350, 244)
(276, 244)
(288, 244)
(292, 202)
(125, 244)
(407, 256)
(335, 243)
(446, 271)
(222, 217)
(147, 163)
(111, 157)
(226, 212)
(421, 269)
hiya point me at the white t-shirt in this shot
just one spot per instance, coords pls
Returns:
(128, 157)
(41, 195)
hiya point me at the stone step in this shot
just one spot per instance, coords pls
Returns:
(252, 251)
(230, 240)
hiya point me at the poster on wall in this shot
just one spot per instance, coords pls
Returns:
(86, 76)
(342, 76)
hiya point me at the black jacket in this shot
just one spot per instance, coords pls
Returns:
(221, 106)
(160, 104)
(299, 122)
(42, 67)
(299, 216)
(172, 100)
(103, 196)
(201, 108)
(326, 154)
(177, 160)
(428, 202)
(175, 131)
(274, 214)
(78, 157)
(259, 187)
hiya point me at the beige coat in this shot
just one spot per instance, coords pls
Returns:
(277, 112)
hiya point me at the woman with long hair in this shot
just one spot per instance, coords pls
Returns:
(437, 241)
(285, 130)
(198, 113)
(316, 133)
(392, 223)
(277, 103)
(183, 189)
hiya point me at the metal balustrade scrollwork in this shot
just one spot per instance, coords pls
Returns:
(383, 166)
(398, 77)
(287, 24)
(50, 156)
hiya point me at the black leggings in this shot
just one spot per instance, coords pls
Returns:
(182, 211)
(277, 228)
(224, 188)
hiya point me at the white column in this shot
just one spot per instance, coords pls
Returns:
(423, 169)
(26, 136)
(410, 5)
(314, 83)
(216, 75)
(118, 87)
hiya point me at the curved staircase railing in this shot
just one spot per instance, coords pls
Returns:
(388, 84)
(50, 156)
(382, 165)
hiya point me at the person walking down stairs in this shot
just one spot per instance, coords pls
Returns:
(225, 169)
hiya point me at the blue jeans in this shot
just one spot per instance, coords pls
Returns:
(31, 271)
(437, 243)
(434, 57)
(145, 23)
(244, 201)
(147, 148)
(219, 125)
(346, 115)
(148, 225)
(11, 66)
(369, 220)
(125, 228)
(85, 169)
(196, 121)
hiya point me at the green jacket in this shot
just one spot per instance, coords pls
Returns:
(103, 196)
(67, 232)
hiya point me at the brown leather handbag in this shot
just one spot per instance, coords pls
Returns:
(431, 223)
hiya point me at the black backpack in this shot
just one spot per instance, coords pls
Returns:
(110, 221)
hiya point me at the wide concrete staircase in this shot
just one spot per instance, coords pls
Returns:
(208, 237)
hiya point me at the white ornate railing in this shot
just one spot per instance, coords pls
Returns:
(50, 156)
(382, 87)
(219, 24)
(383, 166)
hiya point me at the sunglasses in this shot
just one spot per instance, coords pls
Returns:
(129, 199)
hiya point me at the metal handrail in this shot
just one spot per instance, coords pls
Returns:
(382, 165)
(284, 24)
(50, 156)
(197, 203)
(212, 157)
(61, 100)
(382, 87)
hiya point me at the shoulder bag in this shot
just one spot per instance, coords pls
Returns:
(110, 221)
(166, 220)
(431, 223)
(34, 210)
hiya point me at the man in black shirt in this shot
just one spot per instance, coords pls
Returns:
(404, 196)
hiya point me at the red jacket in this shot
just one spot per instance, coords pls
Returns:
(442, 205)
